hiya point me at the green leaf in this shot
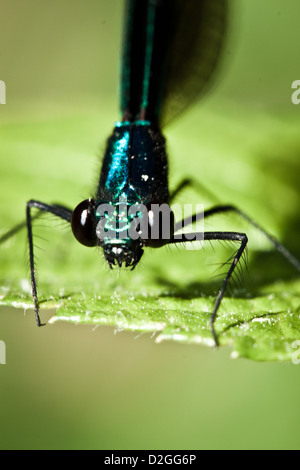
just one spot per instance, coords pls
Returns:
(172, 292)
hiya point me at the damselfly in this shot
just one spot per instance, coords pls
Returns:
(171, 49)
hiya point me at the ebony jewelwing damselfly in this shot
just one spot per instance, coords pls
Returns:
(171, 49)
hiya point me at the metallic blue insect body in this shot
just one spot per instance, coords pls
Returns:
(171, 49)
(135, 166)
(134, 170)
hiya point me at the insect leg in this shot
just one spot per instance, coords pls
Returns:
(22, 225)
(229, 208)
(61, 212)
(229, 236)
(196, 185)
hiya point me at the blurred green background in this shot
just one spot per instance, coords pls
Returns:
(67, 386)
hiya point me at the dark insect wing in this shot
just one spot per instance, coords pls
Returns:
(170, 54)
(171, 51)
(199, 37)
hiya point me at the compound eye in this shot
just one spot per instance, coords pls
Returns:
(83, 223)
(160, 224)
